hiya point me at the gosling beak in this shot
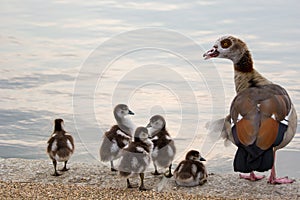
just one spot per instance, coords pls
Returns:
(202, 159)
(149, 125)
(130, 112)
(211, 53)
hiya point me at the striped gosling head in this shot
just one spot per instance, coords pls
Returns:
(141, 134)
(194, 155)
(121, 110)
(58, 125)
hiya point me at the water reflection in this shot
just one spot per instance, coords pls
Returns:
(45, 45)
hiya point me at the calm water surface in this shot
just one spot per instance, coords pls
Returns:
(77, 59)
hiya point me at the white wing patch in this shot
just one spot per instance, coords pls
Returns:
(69, 144)
(126, 146)
(140, 149)
(154, 138)
(54, 145)
(239, 117)
(168, 137)
(287, 118)
(273, 116)
(67, 134)
(122, 134)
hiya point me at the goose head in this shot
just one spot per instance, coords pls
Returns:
(194, 155)
(121, 110)
(141, 134)
(156, 124)
(124, 123)
(228, 47)
(58, 124)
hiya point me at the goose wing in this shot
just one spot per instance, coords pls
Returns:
(257, 112)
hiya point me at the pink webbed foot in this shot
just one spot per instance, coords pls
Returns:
(284, 180)
(274, 180)
(252, 177)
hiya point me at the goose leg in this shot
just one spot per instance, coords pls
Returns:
(142, 187)
(252, 177)
(128, 184)
(112, 168)
(155, 171)
(169, 174)
(65, 167)
(55, 171)
(274, 180)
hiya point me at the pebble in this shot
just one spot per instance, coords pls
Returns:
(31, 179)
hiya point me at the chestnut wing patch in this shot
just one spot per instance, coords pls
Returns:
(256, 112)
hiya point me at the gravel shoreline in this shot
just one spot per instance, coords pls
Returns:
(21, 178)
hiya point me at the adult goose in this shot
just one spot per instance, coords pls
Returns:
(262, 117)
(118, 136)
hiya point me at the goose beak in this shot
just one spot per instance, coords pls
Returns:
(130, 112)
(202, 159)
(211, 53)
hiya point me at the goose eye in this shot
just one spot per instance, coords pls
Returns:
(225, 43)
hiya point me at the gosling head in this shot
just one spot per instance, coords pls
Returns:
(194, 155)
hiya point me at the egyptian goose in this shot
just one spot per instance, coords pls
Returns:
(118, 136)
(164, 149)
(136, 157)
(262, 118)
(191, 171)
(60, 146)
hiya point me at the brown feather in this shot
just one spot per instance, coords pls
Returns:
(268, 107)
(267, 133)
(257, 105)
(246, 132)
(242, 105)
(283, 108)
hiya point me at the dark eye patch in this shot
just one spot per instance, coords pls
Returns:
(226, 43)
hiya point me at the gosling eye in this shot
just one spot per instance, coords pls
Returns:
(226, 43)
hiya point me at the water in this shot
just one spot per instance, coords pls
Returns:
(77, 59)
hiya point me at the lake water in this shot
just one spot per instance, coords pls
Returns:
(77, 59)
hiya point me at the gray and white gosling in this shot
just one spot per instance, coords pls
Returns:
(136, 157)
(60, 146)
(191, 171)
(164, 149)
(118, 136)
